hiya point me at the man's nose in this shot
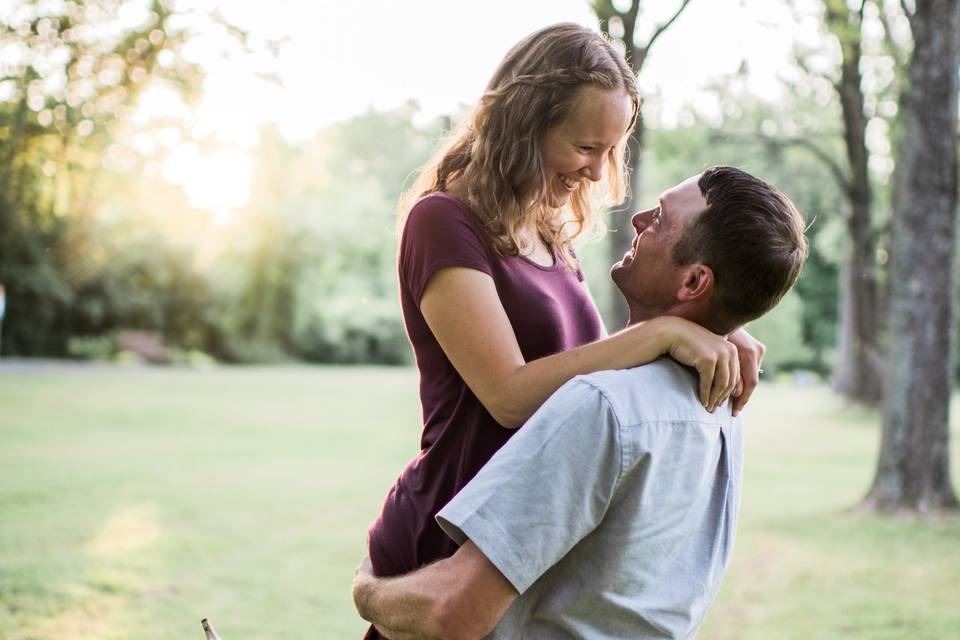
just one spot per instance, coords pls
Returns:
(641, 219)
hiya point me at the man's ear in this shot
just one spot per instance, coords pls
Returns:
(697, 283)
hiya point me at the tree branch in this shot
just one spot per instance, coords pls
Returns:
(666, 25)
(631, 17)
(839, 174)
(639, 52)
(843, 181)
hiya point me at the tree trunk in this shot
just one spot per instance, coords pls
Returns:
(913, 472)
(621, 231)
(621, 236)
(857, 374)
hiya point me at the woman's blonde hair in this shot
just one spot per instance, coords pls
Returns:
(496, 154)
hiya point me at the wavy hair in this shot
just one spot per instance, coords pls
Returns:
(496, 154)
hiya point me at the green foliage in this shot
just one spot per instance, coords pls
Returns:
(318, 276)
(78, 71)
(781, 331)
(307, 269)
(99, 347)
(308, 266)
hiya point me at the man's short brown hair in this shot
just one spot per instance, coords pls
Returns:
(752, 237)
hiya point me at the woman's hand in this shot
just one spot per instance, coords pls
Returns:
(750, 352)
(714, 358)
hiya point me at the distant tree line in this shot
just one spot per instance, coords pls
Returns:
(306, 269)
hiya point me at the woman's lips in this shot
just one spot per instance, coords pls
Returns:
(569, 183)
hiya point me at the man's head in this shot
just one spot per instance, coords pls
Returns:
(720, 248)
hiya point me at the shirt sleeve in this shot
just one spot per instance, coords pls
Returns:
(439, 233)
(545, 490)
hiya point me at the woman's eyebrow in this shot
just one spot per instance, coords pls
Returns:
(596, 143)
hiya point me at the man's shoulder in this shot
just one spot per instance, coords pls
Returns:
(662, 390)
(664, 375)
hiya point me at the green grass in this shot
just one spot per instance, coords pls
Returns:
(134, 502)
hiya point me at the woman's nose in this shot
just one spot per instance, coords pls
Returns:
(594, 170)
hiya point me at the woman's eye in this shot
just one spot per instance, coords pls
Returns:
(586, 149)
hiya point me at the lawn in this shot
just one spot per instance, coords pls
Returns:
(135, 502)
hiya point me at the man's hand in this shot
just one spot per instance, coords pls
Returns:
(361, 580)
(459, 598)
(750, 352)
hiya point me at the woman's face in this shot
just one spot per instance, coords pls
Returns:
(577, 149)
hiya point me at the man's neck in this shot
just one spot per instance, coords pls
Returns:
(637, 314)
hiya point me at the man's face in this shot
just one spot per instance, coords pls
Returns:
(646, 275)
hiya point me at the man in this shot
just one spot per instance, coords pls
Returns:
(612, 513)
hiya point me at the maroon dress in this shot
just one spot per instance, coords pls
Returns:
(550, 311)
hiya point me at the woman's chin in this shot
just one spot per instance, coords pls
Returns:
(557, 200)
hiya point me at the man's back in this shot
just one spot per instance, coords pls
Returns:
(613, 511)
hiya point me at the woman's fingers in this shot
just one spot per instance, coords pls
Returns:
(741, 400)
(750, 353)
(750, 375)
(716, 360)
(734, 373)
(719, 382)
(706, 369)
(727, 372)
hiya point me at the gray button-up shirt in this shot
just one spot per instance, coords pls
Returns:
(612, 511)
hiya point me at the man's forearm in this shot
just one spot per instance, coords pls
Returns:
(460, 598)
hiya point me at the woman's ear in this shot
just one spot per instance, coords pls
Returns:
(697, 283)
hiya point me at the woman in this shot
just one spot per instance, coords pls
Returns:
(493, 298)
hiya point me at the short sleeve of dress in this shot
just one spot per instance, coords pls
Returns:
(439, 232)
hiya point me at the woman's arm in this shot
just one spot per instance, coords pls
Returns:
(465, 314)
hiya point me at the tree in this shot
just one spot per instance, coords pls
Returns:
(857, 373)
(315, 250)
(913, 470)
(78, 70)
(626, 24)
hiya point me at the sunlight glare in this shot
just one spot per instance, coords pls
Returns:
(217, 181)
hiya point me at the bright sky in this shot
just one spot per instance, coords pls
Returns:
(340, 58)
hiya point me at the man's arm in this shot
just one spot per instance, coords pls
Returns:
(539, 495)
(460, 598)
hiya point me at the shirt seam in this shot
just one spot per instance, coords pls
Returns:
(618, 435)
(474, 265)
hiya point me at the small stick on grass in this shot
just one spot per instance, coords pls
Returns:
(208, 629)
